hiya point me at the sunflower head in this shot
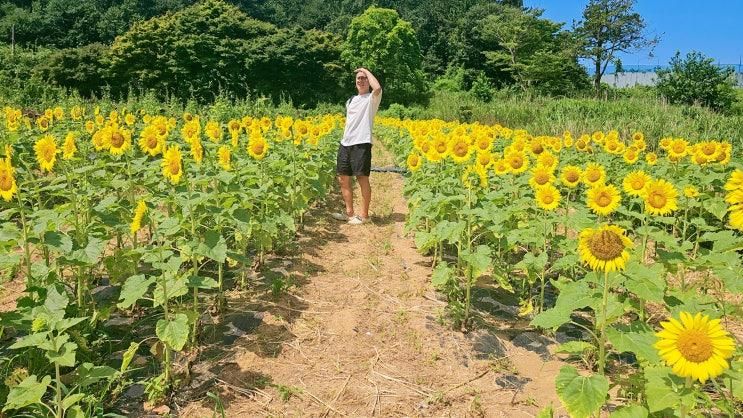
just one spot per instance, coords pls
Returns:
(660, 197)
(603, 199)
(571, 176)
(635, 182)
(172, 164)
(257, 147)
(604, 248)
(651, 158)
(46, 152)
(224, 158)
(517, 162)
(548, 197)
(541, 176)
(414, 161)
(594, 174)
(8, 186)
(695, 346)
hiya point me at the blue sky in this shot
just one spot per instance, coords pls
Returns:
(713, 27)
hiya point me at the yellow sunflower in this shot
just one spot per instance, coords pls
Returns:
(660, 197)
(570, 176)
(197, 150)
(548, 197)
(630, 156)
(8, 186)
(541, 176)
(120, 140)
(651, 158)
(677, 149)
(604, 248)
(483, 143)
(634, 183)
(484, 159)
(224, 158)
(517, 162)
(130, 119)
(414, 161)
(735, 181)
(460, 150)
(137, 218)
(603, 199)
(46, 152)
(43, 123)
(172, 164)
(501, 167)
(594, 174)
(547, 159)
(213, 131)
(691, 191)
(257, 147)
(695, 346)
(69, 148)
(150, 141)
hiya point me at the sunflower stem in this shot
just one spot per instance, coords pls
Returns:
(602, 326)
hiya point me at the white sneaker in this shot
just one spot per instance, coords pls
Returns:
(357, 220)
(338, 216)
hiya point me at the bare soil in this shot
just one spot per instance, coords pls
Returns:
(360, 334)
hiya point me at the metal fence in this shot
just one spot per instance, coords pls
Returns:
(647, 77)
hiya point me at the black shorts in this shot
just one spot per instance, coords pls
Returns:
(354, 160)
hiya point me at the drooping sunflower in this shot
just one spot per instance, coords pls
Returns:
(224, 158)
(695, 346)
(548, 197)
(660, 197)
(517, 162)
(570, 176)
(150, 141)
(634, 183)
(69, 148)
(691, 191)
(594, 174)
(8, 186)
(541, 176)
(172, 164)
(603, 199)
(604, 248)
(197, 150)
(138, 216)
(46, 152)
(414, 161)
(257, 147)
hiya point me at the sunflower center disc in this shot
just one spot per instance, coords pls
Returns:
(695, 345)
(606, 245)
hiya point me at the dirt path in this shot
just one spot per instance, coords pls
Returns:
(358, 334)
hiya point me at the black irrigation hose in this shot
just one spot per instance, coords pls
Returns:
(398, 170)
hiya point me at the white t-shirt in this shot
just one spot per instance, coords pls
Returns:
(360, 111)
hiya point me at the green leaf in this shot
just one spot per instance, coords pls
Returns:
(175, 286)
(59, 241)
(723, 241)
(64, 356)
(441, 275)
(630, 411)
(575, 348)
(173, 333)
(28, 392)
(648, 282)
(573, 295)
(582, 396)
(126, 359)
(66, 323)
(479, 260)
(72, 400)
(636, 338)
(32, 340)
(202, 282)
(214, 246)
(546, 412)
(55, 303)
(87, 374)
(169, 226)
(133, 289)
(663, 389)
(717, 207)
(75, 412)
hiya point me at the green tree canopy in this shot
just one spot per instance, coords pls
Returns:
(381, 41)
(609, 27)
(696, 80)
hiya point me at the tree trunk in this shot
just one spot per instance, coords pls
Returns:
(597, 78)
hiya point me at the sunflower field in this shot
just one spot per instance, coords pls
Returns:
(627, 248)
(171, 210)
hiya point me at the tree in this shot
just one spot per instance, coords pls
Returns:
(696, 80)
(380, 40)
(534, 51)
(609, 27)
(197, 51)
